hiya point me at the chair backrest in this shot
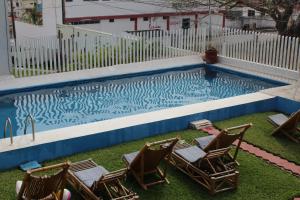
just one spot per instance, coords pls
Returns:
(217, 153)
(152, 154)
(227, 137)
(44, 187)
(292, 123)
(211, 157)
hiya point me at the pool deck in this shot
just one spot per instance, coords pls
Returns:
(290, 92)
(8, 83)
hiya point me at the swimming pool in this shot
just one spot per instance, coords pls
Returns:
(73, 104)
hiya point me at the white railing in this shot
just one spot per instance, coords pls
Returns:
(79, 49)
(70, 31)
(263, 48)
(71, 52)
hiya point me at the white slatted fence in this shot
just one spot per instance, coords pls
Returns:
(80, 49)
(72, 51)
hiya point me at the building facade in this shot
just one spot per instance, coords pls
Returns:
(124, 15)
(246, 18)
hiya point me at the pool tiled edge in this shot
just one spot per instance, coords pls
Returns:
(111, 132)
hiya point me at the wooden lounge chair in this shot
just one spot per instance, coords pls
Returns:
(286, 125)
(224, 139)
(94, 182)
(147, 160)
(44, 187)
(206, 168)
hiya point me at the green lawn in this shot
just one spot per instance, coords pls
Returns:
(258, 180)
(260, 135)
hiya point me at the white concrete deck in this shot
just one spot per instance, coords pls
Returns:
(19, 83)
(266, 71)
(290, 92)
(128, 121)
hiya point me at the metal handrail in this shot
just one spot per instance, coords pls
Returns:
(8, 122)
(29, 117)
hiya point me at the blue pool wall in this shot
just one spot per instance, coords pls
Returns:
(63, 148)
(286, 106)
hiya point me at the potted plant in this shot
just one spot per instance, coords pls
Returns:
(211, 55)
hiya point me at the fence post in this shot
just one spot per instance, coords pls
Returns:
(296, 54)
(4, 40)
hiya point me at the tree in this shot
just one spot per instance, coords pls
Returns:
(33, 16)
(285, 13)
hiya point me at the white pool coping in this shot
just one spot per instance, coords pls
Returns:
(27, 82)
(128, 121)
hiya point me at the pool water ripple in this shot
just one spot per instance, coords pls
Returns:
(101, 100)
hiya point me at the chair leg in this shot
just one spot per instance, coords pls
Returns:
(162, 175)
(291, 137)
(140, 180)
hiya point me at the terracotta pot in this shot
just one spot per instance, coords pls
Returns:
(211, 56)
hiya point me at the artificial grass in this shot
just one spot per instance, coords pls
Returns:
(260, 135)
(258, 180)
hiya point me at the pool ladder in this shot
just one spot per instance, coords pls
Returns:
(29, 117)
(8, 123)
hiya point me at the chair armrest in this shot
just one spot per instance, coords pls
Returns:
(118, 174)
(61, 165)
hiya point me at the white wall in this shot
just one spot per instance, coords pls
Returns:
(261, 22)
(232, 23)
(121, 25)
(4, 40)
(152, 23)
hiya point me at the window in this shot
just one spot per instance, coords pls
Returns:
(132, 19)
(186, 23)
(165, 17)
(111, 20)
(69, 0)
(251, 13)
(146, 18)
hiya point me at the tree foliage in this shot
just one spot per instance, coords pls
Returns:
(285, 13)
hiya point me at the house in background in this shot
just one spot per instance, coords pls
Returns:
(246, 18)
(112, 16)
(116, 16)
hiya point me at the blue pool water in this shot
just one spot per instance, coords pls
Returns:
(105, 99)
